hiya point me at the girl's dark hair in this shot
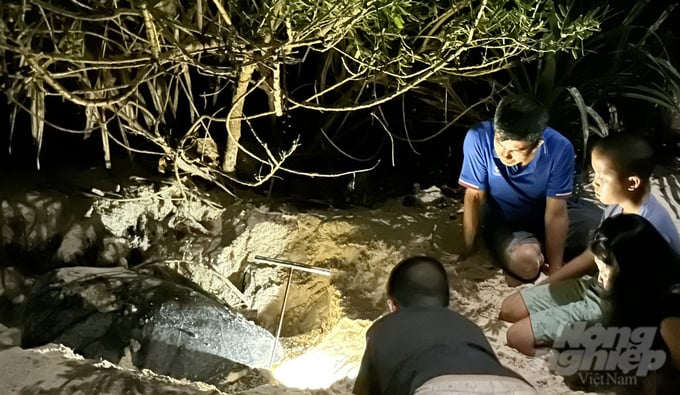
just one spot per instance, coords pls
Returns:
(419, 281)
(646, 268)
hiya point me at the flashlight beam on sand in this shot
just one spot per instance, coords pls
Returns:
(292, 266)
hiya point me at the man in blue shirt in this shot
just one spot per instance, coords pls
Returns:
(518, 172)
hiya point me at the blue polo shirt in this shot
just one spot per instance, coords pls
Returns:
(515, 193)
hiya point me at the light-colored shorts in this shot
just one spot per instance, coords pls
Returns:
(552, 307)
(463, 384)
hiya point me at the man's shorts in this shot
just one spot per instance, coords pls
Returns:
(552, 307)
(503, 237)
(464, 384)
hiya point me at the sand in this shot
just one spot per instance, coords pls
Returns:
(323, 340)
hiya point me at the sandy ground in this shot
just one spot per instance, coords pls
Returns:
(359, 246)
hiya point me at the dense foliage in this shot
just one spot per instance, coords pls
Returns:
(174, 78)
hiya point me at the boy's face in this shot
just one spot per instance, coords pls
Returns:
(609, 186)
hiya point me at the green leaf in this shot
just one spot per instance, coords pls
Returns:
(398, 21)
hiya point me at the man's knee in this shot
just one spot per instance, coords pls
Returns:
(525, 261)
(513, 308)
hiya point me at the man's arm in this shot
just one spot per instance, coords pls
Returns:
(472, 217)
(474, 177)
(556, 228)
(577, 267)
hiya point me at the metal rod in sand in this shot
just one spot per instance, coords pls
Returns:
(292, 266)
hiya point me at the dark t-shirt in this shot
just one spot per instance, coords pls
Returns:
(411, 346)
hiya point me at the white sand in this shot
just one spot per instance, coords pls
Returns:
(360, 246)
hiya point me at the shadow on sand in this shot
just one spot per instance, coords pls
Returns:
(80, 378)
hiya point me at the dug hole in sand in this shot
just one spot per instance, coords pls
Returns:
(325, 321)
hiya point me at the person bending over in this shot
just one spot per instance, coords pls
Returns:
(423, 347)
